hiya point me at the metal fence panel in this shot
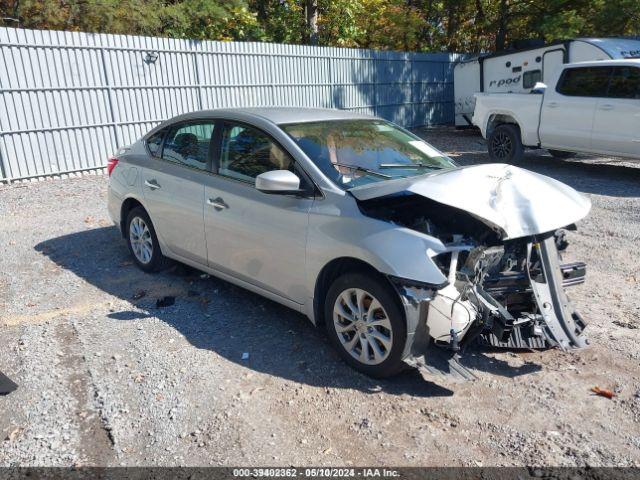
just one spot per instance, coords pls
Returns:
(69, 99)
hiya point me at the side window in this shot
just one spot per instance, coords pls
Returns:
(154, 143)
(188, 144)
(584, 82)
(625, 83)
(530, 78)
(248, 152)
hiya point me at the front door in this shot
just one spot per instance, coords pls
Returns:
(616, 127)
(257, 237)
(174, 188)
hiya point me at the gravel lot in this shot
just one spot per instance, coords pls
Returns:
(108, 380)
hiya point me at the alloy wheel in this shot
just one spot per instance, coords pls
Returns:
(501, 145)
(141, 241)
(363, 326)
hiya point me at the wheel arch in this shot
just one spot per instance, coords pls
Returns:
(334, 269)
(497, 119)
(127, 205)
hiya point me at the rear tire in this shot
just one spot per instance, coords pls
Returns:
(561, 155)
(143, 241)
(505, 145)
(365, 324)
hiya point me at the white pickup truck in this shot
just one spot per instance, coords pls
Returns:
(590, 107)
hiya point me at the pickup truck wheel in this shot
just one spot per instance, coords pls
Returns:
(505, 144)
(561, 155)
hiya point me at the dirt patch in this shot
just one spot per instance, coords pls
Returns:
(96, 440)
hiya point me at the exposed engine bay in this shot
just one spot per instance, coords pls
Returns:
(505, 293)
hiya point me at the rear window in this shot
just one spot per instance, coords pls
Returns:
(154, 143)
(625, 83)
(585, 82)
(188, 144)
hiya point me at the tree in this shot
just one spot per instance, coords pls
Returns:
(283, 21)
(418, 25)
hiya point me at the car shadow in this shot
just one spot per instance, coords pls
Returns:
(587, 175)
(215, 315)
(592, 174)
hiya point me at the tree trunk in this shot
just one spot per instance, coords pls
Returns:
(426, 35)
(503, 22)
(479, 22)
(311, 7)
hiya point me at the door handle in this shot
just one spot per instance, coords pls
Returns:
(217, 203)
(606, 106)
(552, 104)
(152, 184)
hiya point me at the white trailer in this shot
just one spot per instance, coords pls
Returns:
(517, 71)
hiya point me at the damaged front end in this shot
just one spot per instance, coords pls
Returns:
(503, 292)
(511, 295)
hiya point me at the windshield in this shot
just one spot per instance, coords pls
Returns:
(357, 152)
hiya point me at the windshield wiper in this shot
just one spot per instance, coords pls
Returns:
(407, 165)
(358, 168)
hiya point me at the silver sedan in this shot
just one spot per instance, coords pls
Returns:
(360, 225)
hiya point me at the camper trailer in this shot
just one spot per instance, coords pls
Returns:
(518, 70)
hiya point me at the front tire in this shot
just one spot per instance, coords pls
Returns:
(365, 324)
(143, 242)
(505, 144)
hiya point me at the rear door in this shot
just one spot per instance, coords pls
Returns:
(257, 237)
(616, 128)
(174, 188)
(566, 119)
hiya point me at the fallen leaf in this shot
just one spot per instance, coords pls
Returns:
(603, 392)
(14, 433)
(139, 294)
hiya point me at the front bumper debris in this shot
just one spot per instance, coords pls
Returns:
(563, 325)
(524, 307)
(554, 322)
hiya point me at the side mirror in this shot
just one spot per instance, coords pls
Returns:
(539, 87)
(278, 181)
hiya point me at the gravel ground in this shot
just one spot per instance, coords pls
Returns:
(105, 379)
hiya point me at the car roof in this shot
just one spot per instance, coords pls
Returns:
(277, 115)
(635, 62)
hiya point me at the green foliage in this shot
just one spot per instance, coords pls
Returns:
(282, 21)
(209, 20)
(419, 25)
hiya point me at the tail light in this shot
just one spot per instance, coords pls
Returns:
(111, 164)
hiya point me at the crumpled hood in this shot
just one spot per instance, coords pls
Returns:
(515, 200)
